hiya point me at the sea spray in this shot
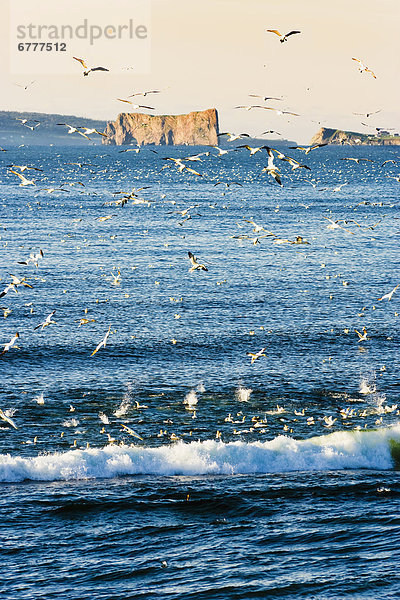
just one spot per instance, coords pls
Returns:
(190, 400)
(374, 449)
(242, 394)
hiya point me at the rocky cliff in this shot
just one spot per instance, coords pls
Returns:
(337, 136)
(195, 128)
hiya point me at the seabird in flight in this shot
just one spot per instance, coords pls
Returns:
(368, 114)
(265, 98)
(195, 265)
(233, 136)
(255, 355)
(362, 336)
(280, 112)
(282, 38)
(389, 295)
(23, 168)
(357, 160)
(47, 321)
(88, 131)
(73, 129)
(135, 106)
(10, 344)
(102, 343)
(252, 149)
(24, 180)
(308, 149)
(362, 68)
(33, 258)
(86, 69)
(145, 93)
(7, 419)
(295, 164)
(270, 131)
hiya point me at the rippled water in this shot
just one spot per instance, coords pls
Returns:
(167, 464)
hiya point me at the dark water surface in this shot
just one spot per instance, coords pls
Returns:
(167, 465)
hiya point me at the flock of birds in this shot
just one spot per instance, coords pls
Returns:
(196, 265)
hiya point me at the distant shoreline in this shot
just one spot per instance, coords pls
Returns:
(340, 137)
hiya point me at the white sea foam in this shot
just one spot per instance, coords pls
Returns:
(338, 450)
(123, 407)
(104, 419)
(190, 399)
(71, 423)
(366, 387)
(39, 399)
(125, 403)
(243, 394)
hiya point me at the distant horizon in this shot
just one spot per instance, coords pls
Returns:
(253, 137)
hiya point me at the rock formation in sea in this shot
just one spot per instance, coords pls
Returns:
(195, 128)
(337, 136)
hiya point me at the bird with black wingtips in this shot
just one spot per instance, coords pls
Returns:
(196, 266)
(10, 344)
(308, 149)
(233, 136)
(24, 180)
(23, 168)
(252, 150)
(32, 259)
(48, 321)
(135, 106)
(86, 69)
(265, 98)
(283, 37)
(368, 114)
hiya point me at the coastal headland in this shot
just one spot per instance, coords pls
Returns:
(194, 129)
(337, 136)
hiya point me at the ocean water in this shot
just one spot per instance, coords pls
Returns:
(169, 464)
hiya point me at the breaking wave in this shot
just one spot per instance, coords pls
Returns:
(374, 449)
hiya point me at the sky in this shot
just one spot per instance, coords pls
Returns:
(214, 53)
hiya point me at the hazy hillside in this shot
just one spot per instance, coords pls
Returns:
(13, 132)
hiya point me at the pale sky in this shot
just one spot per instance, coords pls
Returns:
(213, 53)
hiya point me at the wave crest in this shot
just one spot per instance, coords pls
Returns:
(375, 449)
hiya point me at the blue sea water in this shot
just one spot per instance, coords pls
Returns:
(167, 464)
